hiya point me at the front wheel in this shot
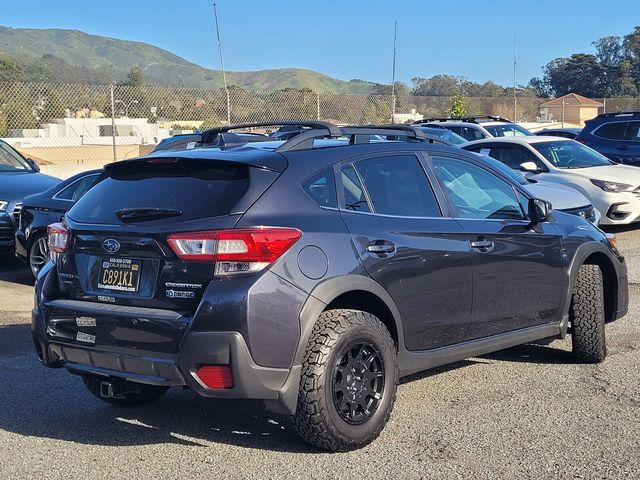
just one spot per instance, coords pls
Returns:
(349, 381)
(587, 316)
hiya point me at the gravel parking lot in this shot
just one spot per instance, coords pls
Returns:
(527, 412)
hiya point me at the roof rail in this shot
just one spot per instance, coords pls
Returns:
(361, 134)
(330, 129)
(470, 119)
(621, 113)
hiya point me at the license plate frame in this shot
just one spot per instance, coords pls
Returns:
(119, 275)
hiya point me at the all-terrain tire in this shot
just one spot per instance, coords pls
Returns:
(147, 394)
(587, 316)
(338, 335)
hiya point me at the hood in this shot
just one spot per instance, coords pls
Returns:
(16, 186)
(610, 173)
(561, 197)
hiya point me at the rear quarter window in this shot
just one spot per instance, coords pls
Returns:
(321, 187)
(611, 131)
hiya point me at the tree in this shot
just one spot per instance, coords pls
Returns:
(631, 47)
(11, 71)
(135, 78)
(580, 73)
(401, 89)
(437, 86)
(458, 106)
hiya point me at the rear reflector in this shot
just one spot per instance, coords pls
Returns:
(235, 251)
(58, 238)
(215, 376)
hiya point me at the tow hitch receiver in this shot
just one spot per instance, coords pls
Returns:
(118, 388)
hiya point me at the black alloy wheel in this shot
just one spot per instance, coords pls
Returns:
(358, 382)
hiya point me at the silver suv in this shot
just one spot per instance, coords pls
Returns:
(477, 128)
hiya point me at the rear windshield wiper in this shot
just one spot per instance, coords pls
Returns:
(149, 213)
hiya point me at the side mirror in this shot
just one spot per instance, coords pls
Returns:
(539, 210)
(34, 164)
(530, 167)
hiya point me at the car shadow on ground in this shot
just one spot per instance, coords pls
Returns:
(533, 353)
(52, 403)
(13, 270)
(48, 403)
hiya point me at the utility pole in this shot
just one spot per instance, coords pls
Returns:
(113, 124)
(393, 75)
(224, 75)
(515, 100)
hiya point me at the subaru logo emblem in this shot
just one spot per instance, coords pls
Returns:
(111, 245)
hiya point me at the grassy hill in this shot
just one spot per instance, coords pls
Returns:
(61, 55)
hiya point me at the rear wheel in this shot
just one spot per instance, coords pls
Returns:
(38, 254)
(349, 381)
(587, 316)
(131, 395)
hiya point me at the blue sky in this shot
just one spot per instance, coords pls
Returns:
(350, 39)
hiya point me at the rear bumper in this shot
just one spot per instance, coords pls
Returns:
(250, 381)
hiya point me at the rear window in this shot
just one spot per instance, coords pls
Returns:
(198, 189)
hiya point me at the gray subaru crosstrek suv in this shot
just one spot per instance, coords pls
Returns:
(312, 274)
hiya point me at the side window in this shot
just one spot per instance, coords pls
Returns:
(475, 192)
(321, 187)
(471, 133)
(77, 189)
(633, 131)
(354, 197)
(612, 131)
(398, 186)
(514, 157)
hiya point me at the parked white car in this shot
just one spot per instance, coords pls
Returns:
(613, 189)
(562, 198)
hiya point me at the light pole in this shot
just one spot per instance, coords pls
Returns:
(126, 106)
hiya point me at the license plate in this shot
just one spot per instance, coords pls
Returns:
(119, 274)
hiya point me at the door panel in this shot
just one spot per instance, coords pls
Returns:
(517, 271)
(428, 276)
(419, 257)
(518, 281)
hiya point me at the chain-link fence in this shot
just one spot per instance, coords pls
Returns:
(95, 124)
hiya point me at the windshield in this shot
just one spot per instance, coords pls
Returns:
(10, 161)
(570, 154)
(445, 134)
(503, 169)
(507, 130)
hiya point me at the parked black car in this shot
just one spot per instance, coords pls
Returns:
(571, 133)
(313, 274)
(19, 177)
(42, 209)
(188, 141)
(614, 135)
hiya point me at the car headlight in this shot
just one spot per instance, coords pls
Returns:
(611, 186)
(3, 205)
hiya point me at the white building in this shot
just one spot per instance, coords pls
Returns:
(73, 132)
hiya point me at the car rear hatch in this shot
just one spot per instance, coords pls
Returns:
(119, 258)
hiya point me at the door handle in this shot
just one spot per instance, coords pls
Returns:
(482, 244)
(381, 247)
(623, 147)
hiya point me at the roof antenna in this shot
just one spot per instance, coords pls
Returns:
(515, 100)
(393, 75)
(224, 75)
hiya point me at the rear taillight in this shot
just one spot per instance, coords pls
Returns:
(58, 238)
(235, 251)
